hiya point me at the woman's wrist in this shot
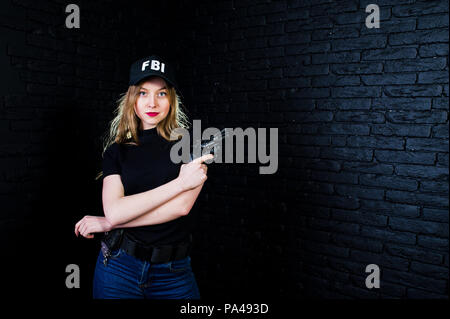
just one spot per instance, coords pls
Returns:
(179, 185)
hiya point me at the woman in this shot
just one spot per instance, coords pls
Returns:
(145, 195)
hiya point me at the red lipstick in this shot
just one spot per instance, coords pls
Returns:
(152, 114)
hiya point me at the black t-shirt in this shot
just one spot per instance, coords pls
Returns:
(141, 168)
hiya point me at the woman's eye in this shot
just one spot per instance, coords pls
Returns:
(162, 93)
(142, 93)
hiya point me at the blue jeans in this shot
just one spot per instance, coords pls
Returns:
(126, 277)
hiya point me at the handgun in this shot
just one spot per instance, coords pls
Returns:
(211, 146)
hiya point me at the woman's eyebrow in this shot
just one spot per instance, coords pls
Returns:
(156, 90)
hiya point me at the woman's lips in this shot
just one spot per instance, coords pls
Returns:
(152, 113)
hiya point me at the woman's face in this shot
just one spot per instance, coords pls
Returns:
(152, 104)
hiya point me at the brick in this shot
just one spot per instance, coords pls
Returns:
(310, 70)
(347, 153)
(414, 253)
(359, 116)
(359, 192)
(315, 23)
(333, 8)
(379, 142)
(345, 265)
(359, 91)
(435, 214)
(419, 37)
(433, 50)
(339, 57)
(287, 61)
(363, 218)
(331, 201)
(343, 104)
(394, 182)
(383, 260)
(442, 159)
(440, 103)
(381, 3)
(385, 235)
(309, 48)
(409, 104)
(395, 78)
(364, 43)
(391, 129)
(434, 186)
(356, 17)
(357, 68)
(405, 157)
(337, 128)
(420, 8)
(413, 90)
(337, 32)
(392, 25)
(411, 65)
(333, 80)
(433, 77)
(417, 198)
(355, 292)
(431, 117)
(433, 243)
(374, 168)
(389, 209)
(428, 144)
(288, 39)
(310, 93)
(432, 22)
(342, 177)
(390, 53)
(418, 226)
(422, 171)
(432, 271)
(415, 281)
(266, 8)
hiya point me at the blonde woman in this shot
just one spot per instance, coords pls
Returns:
(146, 197)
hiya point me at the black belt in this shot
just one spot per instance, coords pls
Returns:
(155, 254)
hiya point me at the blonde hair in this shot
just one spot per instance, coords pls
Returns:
(124, 127)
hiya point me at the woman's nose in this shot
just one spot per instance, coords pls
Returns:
(152, 101)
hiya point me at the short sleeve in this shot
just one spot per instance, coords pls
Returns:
(111, 163)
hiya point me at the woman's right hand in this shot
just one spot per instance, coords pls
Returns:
(193, 174)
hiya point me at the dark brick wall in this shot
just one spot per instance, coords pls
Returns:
(363, 138)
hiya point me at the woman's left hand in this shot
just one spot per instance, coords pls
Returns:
(92, 224)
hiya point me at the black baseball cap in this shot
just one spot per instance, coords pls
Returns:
(153, 66)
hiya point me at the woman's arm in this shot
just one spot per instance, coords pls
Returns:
(179, 206)
(120, 209)
(173, 209)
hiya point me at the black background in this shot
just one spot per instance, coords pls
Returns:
(362, 118)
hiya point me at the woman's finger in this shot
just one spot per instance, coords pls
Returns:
(203, 158)
(87, 231)
(83, 229)
(77, 227)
